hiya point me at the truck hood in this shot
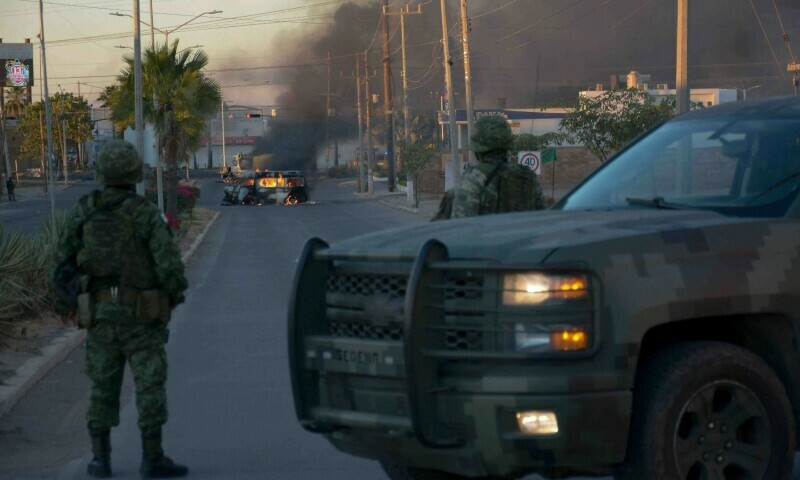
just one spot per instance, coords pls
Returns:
(531, 237)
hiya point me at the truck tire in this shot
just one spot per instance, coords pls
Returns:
(709, 410)
(399, 472)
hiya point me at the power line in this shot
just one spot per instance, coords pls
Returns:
(512, 2)
(766, 37)
(783, 30)
(559, 12)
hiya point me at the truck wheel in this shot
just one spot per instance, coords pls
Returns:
(709, 410)
(399, 472)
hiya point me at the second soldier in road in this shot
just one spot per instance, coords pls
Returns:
(130, 278)
(495, 185)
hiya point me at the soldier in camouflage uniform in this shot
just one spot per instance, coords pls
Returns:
(130, 278)
(495, 185)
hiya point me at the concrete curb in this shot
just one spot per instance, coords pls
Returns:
(197, 241)
(399, 207)
(37, 367)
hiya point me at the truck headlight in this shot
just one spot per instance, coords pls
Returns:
(538, 288)
(557, 311)
(531, 338)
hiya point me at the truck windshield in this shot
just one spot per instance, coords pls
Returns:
(741, 166)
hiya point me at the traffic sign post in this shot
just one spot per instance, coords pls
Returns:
(532, 160)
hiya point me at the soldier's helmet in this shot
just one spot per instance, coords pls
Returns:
(119, 164)
(492, 133)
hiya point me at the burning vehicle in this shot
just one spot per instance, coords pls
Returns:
(261, 188)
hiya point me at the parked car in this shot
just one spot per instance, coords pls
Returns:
(646, 326)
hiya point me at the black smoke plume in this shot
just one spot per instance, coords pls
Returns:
(530, 53)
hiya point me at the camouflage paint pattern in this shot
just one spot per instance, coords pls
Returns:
(472, 189)
(116, 337)
(649, 268)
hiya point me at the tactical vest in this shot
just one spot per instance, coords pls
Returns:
(508, 188)
(114, 253)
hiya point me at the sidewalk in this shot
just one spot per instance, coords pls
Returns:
(428, 204)
(28, 194)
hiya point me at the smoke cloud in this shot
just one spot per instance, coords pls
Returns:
(531, 53)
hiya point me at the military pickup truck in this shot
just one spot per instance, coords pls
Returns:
(646, 326)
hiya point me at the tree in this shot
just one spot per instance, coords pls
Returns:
(416, 156)
(74, 109)
(527, 142)
(16, 101)
(105, 99)
(607, 123)
(186, 100)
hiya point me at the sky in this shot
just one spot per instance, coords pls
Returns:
(75, 55)
(572, 43)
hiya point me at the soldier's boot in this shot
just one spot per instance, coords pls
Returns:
(154, 463)
(100, 466)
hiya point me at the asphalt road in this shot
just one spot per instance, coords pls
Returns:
(229, 391)
(32, 207)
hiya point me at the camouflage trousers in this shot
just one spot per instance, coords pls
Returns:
(117, 338)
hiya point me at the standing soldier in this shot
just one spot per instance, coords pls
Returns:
(128, 277)
(11, 185)
(495, 185)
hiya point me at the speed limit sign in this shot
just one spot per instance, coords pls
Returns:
(532, 160)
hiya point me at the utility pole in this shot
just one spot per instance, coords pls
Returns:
(224, 159)
(49, 115)
(370, 153)
(388, 102)
(328, 118)
(455, 164)
(63, 136)
(361, 164)
(402, 13)
(137, 87)
(465, 28)
(682, 65)
(159, 164)
(209, 162)
(3, 130)
(28, 89)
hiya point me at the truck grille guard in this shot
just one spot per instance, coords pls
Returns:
(307, 317)
(430, 333)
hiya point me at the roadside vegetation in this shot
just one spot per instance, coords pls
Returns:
(606, 124)
(24, 259)
(23, 265)
(185, 98)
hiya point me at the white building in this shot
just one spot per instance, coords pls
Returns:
(708, 97)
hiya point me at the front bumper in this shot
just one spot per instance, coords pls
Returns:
(594, 432)
(404, 400)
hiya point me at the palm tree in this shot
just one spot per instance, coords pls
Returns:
(186, 99)
(16, 101)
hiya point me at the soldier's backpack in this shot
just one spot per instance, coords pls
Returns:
(111, 249)
(508, 188)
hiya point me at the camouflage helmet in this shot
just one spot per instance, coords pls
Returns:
(492, 133)
(119, 164)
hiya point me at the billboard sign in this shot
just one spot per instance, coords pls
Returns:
(16, 64)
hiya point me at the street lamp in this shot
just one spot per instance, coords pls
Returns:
(745, 90)
(166, 33)
(64, 135)
(159, 166)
